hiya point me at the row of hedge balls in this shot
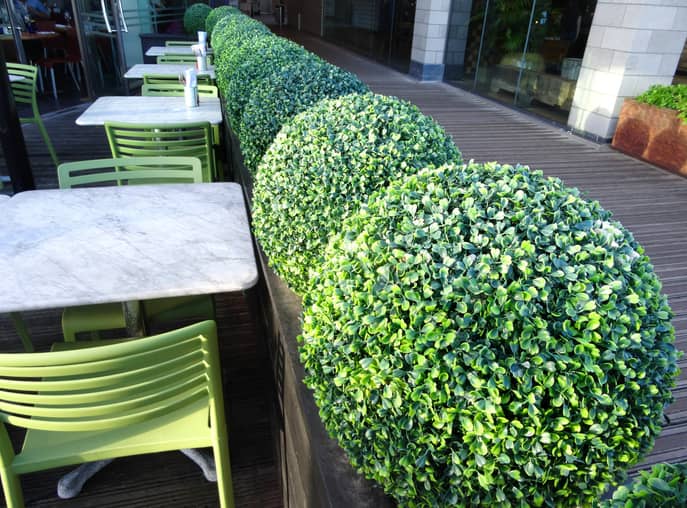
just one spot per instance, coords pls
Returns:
(474, 334)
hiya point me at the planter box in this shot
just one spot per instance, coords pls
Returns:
(314, 470)
(653, 134)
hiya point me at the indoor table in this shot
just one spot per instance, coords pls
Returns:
(66, 247)
(150, 110)
(137, 71)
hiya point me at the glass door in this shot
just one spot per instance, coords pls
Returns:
(109, 39)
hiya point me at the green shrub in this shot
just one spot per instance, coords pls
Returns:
(480, 335)
(325, 162)
(283, 94)
(229, 36)
(194, 18)
(667, 96)
(252, 62)
(665, 486)
(216, 14)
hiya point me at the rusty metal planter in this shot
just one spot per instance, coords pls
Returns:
(653, 134)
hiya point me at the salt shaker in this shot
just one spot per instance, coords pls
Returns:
(191, 88)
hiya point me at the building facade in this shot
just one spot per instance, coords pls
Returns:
(572, 61)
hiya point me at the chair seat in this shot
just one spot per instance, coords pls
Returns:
(185, 428)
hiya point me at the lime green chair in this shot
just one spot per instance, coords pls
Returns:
(24, 91)
(180, 43)
(114, 399)
(176, 90)
(148, 140)
(179, 59)
(162, 79)
(157, 313)
(134, 170)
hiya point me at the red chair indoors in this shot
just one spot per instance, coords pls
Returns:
(70, 57)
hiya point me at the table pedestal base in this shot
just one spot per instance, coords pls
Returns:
(70, 485)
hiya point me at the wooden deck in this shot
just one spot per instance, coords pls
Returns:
(646, 199)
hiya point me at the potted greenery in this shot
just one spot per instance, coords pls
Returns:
(653, 127)
(481, 335)
(665, 486)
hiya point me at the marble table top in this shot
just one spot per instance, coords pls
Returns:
(14, 77)
(171, 50)
(151, 110)
(138, 70)
(66, 247)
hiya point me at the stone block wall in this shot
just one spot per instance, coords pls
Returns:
(632, 45)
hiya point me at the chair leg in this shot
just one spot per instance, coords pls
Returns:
(223, 471)
(10, 480)
(44, 133)
(22, 331)
(52, 77)
(73, 75)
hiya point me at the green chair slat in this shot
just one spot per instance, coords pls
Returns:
(24, 92)
(161, 79)
(190, 59)
(180, 43)
(109, 399)
(176, 90)
(195, 139)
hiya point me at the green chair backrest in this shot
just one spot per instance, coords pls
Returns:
(135, 170)
(149, 140)
(176, 90)
(114, 399)
(24, 90)
(161, 79)
(106, 387)
(171, 58)
(180, 43)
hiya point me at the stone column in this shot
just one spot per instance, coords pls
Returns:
(429, 39)
(631, 46)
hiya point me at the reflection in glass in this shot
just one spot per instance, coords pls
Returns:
(379, 29)
(526, 53)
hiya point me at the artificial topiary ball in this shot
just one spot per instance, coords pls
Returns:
(665, 486)
(194, 18)
(283, 94)
(480, 335)
(325, 162)
(218, 13)
(256, 59)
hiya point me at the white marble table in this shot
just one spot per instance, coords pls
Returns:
(151, 110)
(138, 70)
(67, 247)
(171, 50)
(14, 77)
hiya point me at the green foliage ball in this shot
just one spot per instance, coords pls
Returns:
(230, 32)
(194, 17)
(325, 162)
(256, 59)
(665, 486)
(480, 335)
(218, 13)
(285, 93)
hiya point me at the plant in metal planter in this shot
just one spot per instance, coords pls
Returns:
(230, 32)
(325, 162)
(253, 61)
(283, 94)
(480, 335)
(665, 486)
(194, 17)
(218, 13)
